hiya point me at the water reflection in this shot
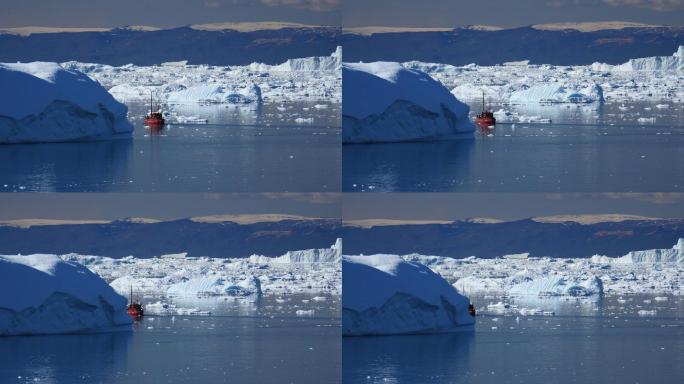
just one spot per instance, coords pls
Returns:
(394, 166)
(64, 358)
(407, 359)
(62, 167)
(611, 147)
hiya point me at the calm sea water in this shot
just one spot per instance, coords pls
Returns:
(266, 343)
(585, 342)
(237, 151)
(584, 149)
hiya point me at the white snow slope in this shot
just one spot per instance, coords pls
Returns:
(42, 294)
(643, 79)
(386, 102)
(302, 79)
(384, 294)
(43, 102)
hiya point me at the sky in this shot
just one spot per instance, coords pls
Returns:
(352, 206)
(507, 206)
(163, 206)
(348, 13)
(506, 13)
(163, 13)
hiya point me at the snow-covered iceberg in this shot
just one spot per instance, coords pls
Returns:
(227, 286)
(316, 63)
(42, 294)
(650, 256)
(384, 294)
(557, 93)
(386, 102)
(321, 255)
(43, 102)
(542, 286)
(216, 94)
(674, 63)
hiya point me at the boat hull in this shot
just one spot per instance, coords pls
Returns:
(153, 122)
(485, 121)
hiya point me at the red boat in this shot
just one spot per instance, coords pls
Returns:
(154, 119)
(134, 309)
(485, 118)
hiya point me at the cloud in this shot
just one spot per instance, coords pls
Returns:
(649, 197)
(212, 3)
(313, 198)
(654, 197)
(655, 5)
(309, 5)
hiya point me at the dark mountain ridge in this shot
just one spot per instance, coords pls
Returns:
(125, 46)
(463, 46)
(462, 239)
(124, 238)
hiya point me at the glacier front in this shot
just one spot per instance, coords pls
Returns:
(43, 102)
(386, 295)
(386, 102)
(42, 294)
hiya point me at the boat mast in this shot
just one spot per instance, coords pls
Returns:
(483, 107)
(151, 111)
(131, 301)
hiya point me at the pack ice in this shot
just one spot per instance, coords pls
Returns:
(43, 102)
(656, 78)
(42, 294)
(386, 102)
(384, 295)
(652, 271)
(314, 271)
(179, 83)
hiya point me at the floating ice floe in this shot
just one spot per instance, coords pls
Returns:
(501, 308)
(304, 312)
(384, 294)
(386, 102)
(42, 294)
(166, 309)
(43, 102)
